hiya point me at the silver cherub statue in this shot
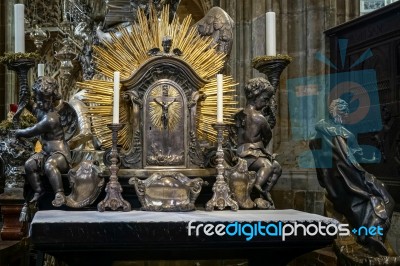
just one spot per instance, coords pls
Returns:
(53, 118)
(253, 136)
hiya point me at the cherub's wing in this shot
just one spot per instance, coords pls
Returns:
(240, 119)
(153, 51)
(219, 25)
(177, 52)
(69, 119)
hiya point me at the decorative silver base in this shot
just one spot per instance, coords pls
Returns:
(222, 196)
(168, 191)
(113, 199)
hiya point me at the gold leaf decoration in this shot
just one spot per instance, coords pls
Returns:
(128, 50)
(266, 58)
(10, 57)
(207, 110)
(172, 108)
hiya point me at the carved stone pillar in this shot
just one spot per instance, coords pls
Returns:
(3, 108)
(10, 77)
(299, 34)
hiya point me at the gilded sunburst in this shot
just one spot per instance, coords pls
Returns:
(128, 50)
(165, 107)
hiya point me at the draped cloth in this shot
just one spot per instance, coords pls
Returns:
(354, 192)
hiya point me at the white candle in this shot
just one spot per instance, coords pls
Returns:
(19, 28)
(40, 70)
(220, 103)
(115, 119)
(270, 33)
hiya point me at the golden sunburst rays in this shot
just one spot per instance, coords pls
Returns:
(127, 49)
(98, 95)
(129, 46)
(165, 110)
(207, 111)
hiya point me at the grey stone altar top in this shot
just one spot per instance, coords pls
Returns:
(56, 216)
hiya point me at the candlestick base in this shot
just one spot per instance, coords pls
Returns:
(222, 196)
(114, 199)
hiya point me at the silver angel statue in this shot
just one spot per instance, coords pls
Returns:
(56, 122)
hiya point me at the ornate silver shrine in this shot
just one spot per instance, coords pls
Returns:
(161, 97)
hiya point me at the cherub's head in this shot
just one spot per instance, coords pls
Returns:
(258, 92)
(338, 110)
(218, 22)
(46, 92)
(166, 43)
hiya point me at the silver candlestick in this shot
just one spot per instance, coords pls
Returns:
(113, 199)
(222, 196)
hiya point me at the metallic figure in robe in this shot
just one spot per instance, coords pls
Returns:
(55, 158)
(254, 134)
(354, 192)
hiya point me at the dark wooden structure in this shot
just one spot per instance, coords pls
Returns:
(378, 31)
(11, 203)
(14, 253)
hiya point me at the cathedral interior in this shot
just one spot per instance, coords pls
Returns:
(137, 88)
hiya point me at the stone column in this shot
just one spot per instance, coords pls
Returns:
(2, 67)
(10, 87)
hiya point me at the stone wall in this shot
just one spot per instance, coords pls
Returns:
(393, 236)
(300, 29)
(2, 68)
(8, 83)
(299, 189)
(300, 25)
(300, 34)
